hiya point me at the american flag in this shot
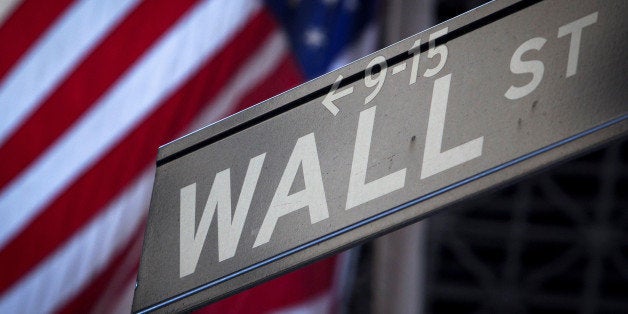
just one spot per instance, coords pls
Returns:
(89, 89)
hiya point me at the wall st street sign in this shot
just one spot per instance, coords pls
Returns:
(455, 110)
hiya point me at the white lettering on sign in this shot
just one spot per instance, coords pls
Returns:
(520, 67)
(312, 196)
(440, 50)
(575, 29)
(536, 67)
(371, 80)
(305, 153)
(435, 161)
(359, 191)
(332, 96)
(416, 56)
(229, 230)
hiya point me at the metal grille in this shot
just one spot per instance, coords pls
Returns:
(556, 242)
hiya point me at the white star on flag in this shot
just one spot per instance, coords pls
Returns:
(314, 37)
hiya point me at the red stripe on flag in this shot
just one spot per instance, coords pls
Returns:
(124, 162)
(298, 286)
(287, 75)
(119, 50)
(84, 301)
(23, 27)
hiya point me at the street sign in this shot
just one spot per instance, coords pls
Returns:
(462, 107)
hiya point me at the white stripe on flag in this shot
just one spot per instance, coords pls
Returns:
(254, 71)
(6, 8)
(131, 205)
(54, 56)
(121, 285)
(160, 71)
(64, 273)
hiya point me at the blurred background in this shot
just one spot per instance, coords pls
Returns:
(90, 89)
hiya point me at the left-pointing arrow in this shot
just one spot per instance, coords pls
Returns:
(328, 102)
